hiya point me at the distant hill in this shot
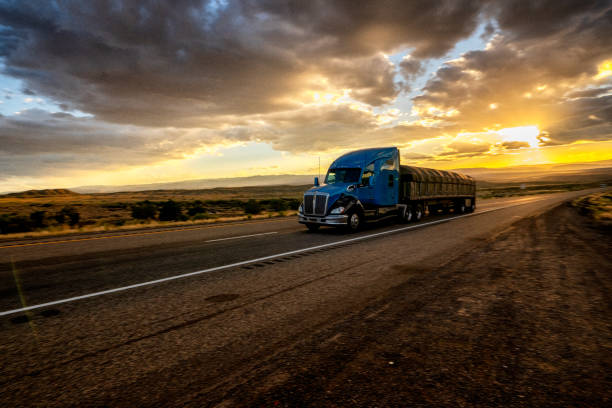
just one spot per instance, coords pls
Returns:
(546, 173)
(552, 173)
(253, 181)
(42, 193)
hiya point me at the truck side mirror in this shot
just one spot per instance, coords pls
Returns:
(316, 182)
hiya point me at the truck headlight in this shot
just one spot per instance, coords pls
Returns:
(337, 210)
(301, 210)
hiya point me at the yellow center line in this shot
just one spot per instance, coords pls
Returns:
(135, 234)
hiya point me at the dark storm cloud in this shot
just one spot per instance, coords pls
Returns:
(175, 63)
(536, 19)
(583, 119)
(543, 49)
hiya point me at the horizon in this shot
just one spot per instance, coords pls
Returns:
(92, 95)
(541, 170)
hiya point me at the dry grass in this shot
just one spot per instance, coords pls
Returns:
(113, 211)
(66, 230)
(497, 190)
(597, 206)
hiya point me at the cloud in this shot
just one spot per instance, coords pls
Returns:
(166, 80)
(410, 68)
(178, 63)
(514, 145)
(37, 141)
(531, 72)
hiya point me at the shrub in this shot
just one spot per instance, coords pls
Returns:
(170, 211)
(68, 213)
(202, 216)
(38, 219)
(252, 207)
(10, 223)
(144, 210)
(294, 203)
(60, 217)
(196, 207)
(278, 204)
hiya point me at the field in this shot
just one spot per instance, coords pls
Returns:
(597, 206)
(42, 212)
(497, 190)
(58, 211)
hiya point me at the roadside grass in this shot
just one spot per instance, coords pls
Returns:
(597, 206)
(53, 212)
(495, 190)
(66, 230)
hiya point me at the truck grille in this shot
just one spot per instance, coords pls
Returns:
(315, 204)
(308, 207)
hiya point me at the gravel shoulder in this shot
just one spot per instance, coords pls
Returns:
(522, 320)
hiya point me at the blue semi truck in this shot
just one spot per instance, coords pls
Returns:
(370, 184)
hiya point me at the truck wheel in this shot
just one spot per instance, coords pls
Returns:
(472, 207)
(418, 213)
(354, 221)
(460, 207)
(408, 214)
(313, 227)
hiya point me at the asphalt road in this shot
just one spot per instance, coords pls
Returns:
(194, 340)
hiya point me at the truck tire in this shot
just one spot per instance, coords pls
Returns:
(312, 227)
(354, 222)
(408, 215)
(418, 212)
(460, 208)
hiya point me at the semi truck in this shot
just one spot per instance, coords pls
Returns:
(371, 185)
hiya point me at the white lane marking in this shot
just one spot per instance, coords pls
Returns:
(136, 234)
(250, 261)
(242, 236)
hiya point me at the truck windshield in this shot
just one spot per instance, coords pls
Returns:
(339, 175)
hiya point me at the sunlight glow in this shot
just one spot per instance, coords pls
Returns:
(528, 134)
(605, 69)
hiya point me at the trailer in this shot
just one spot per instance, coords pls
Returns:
(371, 185)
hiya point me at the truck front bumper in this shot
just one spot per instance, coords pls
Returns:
(336, 219)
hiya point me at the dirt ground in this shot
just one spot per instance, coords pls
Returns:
(524, 319)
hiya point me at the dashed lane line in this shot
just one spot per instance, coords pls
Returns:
(242, 236)
(133, 234)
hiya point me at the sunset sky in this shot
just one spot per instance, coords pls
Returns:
(132, 92)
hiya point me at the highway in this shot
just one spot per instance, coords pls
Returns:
(194, 316)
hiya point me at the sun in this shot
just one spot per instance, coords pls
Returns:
(605, 69)
(528, 134)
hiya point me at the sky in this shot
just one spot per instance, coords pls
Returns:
(133, 92)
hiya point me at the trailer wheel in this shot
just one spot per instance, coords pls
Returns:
(354, 221)
(313, 227)
(418, 212)
(460, 207)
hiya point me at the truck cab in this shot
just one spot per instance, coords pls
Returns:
(358, 185)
